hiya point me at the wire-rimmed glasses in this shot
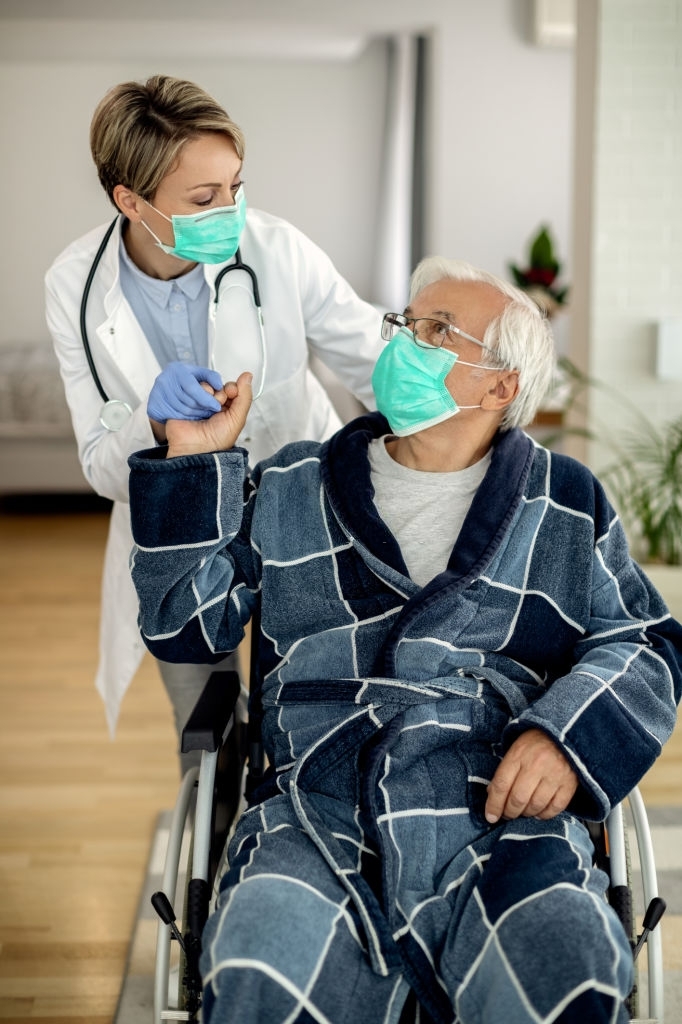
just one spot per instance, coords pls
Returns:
(427, 332)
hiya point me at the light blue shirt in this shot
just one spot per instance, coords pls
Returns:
(172, 314)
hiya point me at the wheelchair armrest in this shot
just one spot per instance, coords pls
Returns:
(211, 713)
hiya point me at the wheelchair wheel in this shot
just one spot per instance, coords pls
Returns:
(653, 908)
(206, 806)
(621, 899)
(612, 855)
(170, 983)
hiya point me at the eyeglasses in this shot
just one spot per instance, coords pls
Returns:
(428, 333)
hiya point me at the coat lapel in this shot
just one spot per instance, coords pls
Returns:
(347, 481)
(120, 334)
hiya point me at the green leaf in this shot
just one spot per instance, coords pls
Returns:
(542, 251)
(518, 275)
(647, 486)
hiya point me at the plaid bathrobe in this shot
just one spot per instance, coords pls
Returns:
(368, 866)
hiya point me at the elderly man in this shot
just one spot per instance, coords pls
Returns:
(460, 660)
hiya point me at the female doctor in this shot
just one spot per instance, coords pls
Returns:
(156, 309)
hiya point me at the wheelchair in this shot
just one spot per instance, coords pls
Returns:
(232, 767)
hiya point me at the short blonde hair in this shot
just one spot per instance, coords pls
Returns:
(138, 130)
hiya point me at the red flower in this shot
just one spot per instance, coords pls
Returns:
(540, 275)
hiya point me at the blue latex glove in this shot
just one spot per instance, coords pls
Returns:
(178, 395)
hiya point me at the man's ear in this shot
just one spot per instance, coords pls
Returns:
(129, 203)
(504, 391)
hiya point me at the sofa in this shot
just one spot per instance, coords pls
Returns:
(38, 453)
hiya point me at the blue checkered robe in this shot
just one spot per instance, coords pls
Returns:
(368, 866)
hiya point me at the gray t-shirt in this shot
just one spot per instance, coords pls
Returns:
(423, 511)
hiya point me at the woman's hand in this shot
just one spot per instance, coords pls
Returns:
(220, 431)
(182, 391)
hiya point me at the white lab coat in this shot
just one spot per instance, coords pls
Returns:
(307, 308)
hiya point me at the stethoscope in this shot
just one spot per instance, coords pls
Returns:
(115, 412)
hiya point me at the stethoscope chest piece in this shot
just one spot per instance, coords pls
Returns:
(115, 413)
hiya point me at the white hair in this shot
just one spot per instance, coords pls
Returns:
(520, 337)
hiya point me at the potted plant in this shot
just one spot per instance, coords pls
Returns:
(539, 278)
(646, 483)
(644, 479)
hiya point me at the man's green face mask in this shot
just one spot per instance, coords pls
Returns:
(409, 384)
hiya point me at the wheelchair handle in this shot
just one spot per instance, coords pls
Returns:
(164, 908)
(654, 913)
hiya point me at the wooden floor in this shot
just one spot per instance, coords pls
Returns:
(77, 810)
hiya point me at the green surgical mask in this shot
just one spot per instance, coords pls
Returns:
(409, 384)
(211, 236)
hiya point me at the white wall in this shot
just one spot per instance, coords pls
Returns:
(503, 136)
(55, 195)
(499, 144)
(629, 215)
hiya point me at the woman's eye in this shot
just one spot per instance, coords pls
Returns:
(235, 188)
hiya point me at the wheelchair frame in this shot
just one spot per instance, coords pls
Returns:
(620, 875)
(208, 800)
(211, 795)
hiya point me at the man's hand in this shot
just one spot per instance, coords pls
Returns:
(533, 780)
(220, 431)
